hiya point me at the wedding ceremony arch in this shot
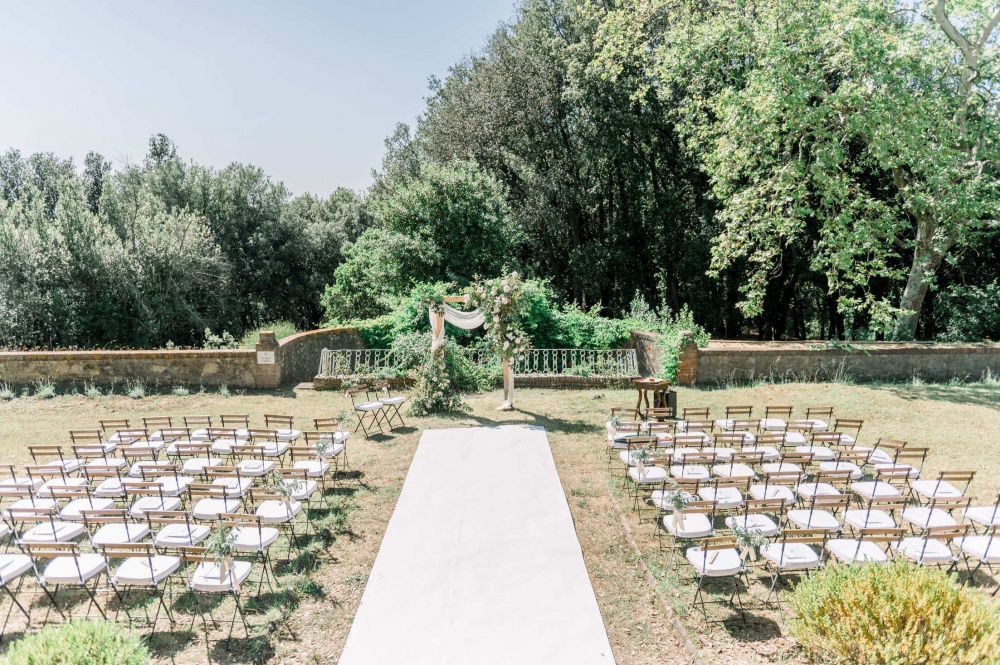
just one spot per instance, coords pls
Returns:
(441, 312)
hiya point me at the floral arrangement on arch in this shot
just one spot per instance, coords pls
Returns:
(436, 388)
(502, 302)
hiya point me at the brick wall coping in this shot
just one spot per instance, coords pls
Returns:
(852, 348)
(292, 339)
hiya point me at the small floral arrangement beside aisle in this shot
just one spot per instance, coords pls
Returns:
(503, 304)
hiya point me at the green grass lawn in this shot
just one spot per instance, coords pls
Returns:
(308, 620)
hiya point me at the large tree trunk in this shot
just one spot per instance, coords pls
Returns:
(926, 260)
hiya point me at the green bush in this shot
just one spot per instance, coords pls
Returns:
(281, 330)
(671, 340)
(79, 643)
(893, 614)
(968, 313)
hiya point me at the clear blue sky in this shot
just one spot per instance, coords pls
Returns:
(305, 90)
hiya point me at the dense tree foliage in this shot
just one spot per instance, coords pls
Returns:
(159, 251)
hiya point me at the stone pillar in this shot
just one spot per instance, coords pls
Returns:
(267, 371)
(687, 367)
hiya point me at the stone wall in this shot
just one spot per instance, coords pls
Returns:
(298, 355)
(272, 364)
(738, 361)
(166, 368)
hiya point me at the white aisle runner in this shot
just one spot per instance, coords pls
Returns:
(480, 563)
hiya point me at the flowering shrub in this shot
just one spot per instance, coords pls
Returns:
(502, 302)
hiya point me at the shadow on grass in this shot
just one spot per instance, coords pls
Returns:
(975, 394)
(168, 643)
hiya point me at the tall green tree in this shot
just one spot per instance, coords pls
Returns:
(861, 130)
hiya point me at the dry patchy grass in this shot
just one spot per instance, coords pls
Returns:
(956, 422)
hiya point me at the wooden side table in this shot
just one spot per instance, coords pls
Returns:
(658, 387)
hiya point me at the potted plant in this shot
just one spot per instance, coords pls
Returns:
(220, 547)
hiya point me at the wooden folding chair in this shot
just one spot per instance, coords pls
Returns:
(141, 567)
(67, 566)
(717, 558)
(206, 576)
(365, 409)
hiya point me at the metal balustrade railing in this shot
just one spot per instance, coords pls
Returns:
(582, 362)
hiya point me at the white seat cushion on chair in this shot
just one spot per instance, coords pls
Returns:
(773, 424)
(848, 550)
(757, 523)
(771, 453)
(52, 532)
(120, 533)
(737, 470)
(174, 485)
(275, 511)
(135, 470)
(272, 449)
(107, 461)
(224, 446)
(302, 489)
(287, 434)
(235, 486)
(809, 490)
(819, 453)
(772, 492)
(74, 570)
(875, 490)
(661, 498)
(934, 552)
(814, 519)
(875, 455)
(869, 519)
(196, 465)
(71, 511)
(30, 504)
(206, 577)
(255, 467)
(176, 535)
(252, 539)
(927, 517)
(334, 450)
(653, 474)
(780, 467)
(313, 468)
(724, 497)
(110, 488)
(790, 556)
(911, 471)
(691, 525)
(980, 548)
(13, 566)
(679, 453)
(855, 470)
(145, 503)
(46, 488)
(137, 571)
(985, 515)
(199, 435)
(795, 438)
(936, 489)
(717, 563)
(721, 454)
(368, 406)
(688, 471)
(68, 465)
(22, 481)
(393, 401)
(209, 509)
(817, 424)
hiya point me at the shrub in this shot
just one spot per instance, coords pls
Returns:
(896, 613)
(7, 392)
(671, 340)
(91, 390)
(91, 642)
(180, 391)
(135, 389)
(224, 391)
(45, 390)
(223, 341)
(281, 330)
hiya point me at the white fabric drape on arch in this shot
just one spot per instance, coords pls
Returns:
(468, 321)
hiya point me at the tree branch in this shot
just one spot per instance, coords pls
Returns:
(991, 24)
(941, 16)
